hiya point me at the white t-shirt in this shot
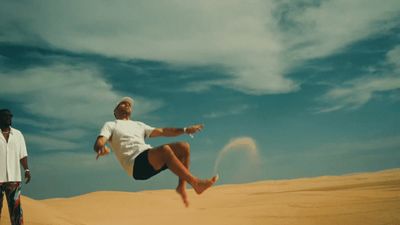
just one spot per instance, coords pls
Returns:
(10, 155)
(126, 138)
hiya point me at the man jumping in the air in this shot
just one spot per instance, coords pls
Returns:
(142, 161)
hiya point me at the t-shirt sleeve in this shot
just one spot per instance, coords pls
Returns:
(23, 152)
(147, 130)
(107, 130)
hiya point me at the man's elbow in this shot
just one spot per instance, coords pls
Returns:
(156, 133)
(23, 158)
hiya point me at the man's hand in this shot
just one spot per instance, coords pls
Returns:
(102, 152)
(27, 176)
(194, 129)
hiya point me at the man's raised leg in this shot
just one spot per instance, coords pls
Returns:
(182, 152)
(171, 155)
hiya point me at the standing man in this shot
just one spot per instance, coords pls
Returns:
(140, 160)
(12, 154)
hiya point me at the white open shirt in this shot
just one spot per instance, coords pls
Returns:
(126, 138)
(10, 155)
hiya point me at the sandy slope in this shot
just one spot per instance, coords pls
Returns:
(369, 198)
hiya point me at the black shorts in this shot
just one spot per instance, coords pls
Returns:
(142, 170)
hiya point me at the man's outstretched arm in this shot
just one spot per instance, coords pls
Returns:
(172, 132)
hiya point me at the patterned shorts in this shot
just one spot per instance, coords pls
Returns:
(12, 191)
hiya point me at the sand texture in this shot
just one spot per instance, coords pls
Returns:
(355, 199)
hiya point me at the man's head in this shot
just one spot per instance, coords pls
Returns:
(123, 109)
(5, 117)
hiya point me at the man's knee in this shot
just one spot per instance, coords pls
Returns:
(185, 147)
(184, 144)
(167, 150)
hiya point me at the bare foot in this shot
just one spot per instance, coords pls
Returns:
(182, 192)
(201, 185)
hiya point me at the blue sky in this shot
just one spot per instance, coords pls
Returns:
(315, 85)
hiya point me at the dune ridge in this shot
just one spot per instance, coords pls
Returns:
(363, 198)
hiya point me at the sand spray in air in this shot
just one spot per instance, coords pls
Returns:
(246, 144)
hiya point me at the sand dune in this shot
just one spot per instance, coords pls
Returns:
(356, 199)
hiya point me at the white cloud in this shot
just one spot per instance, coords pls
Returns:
(36, 123)
(257, 42)
(233, 111)
(355, 93)
(321, 30)
(393, 57)
(70, 101)
(74, 93)
(50, 143)
(68, 93)
(143, 106)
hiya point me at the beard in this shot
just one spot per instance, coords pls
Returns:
(122, 113)
(5, 123)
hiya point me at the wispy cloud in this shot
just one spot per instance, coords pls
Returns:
(66, 92)
(319, 28)
(355, 93)
(393, 57)
(257, 43)
(228, 112)
(46, 143)
(69, 99)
